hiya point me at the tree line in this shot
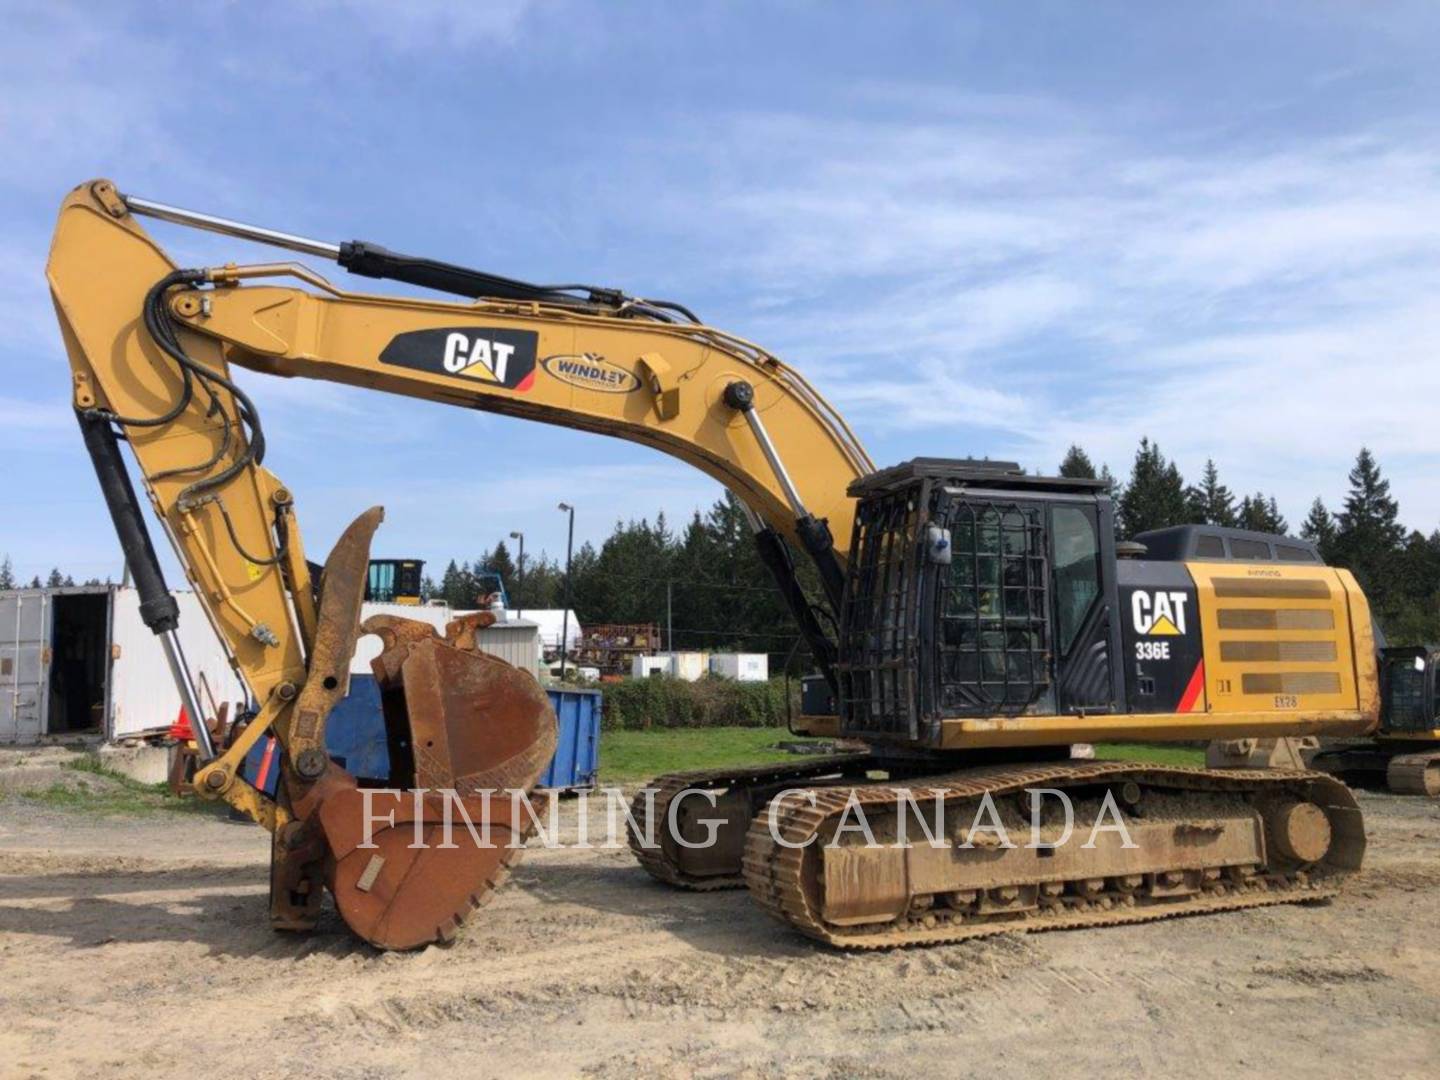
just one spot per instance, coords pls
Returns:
(706, 581)
(56, 579)
(1157, 496)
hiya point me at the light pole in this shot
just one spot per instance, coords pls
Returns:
(565, 619)
(520, 570)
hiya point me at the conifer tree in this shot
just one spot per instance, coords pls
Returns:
(1155, 496)
(1077, 463)
(1210, 502)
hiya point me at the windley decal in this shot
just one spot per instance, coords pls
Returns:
(590, 371)
(489, 355)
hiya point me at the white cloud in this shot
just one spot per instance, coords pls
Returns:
(1036, 280)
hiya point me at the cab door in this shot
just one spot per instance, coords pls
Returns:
(1082, 591)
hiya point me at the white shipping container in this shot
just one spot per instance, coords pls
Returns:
(143, 695)
(742, 667)
(78, 660)
(689, 666)
(24, 647)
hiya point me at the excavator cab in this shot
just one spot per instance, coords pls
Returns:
(1409, 732)
(976, 590)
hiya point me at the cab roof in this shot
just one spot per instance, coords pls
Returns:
(970, 473)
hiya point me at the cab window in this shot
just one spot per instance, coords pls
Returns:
(381, 584)
(1076, 551)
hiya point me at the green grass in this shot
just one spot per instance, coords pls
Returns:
(121, 795)
(625, 757)
(628, 756)
(92, 764)
(1156, 753)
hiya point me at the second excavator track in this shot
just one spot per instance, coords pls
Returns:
(790, 882)
(668, 862)
(1415, 774)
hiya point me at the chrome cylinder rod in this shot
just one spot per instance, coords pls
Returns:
(787, 485)
(175, 657)
(210, 223)
(740, 396)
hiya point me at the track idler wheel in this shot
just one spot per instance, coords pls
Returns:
(1299, 831)
(469, 736)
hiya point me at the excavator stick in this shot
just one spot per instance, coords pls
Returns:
(469, 735)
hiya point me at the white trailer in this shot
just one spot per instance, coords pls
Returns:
(642, 667)
(78, 660)
(742, 667)
(689, 666)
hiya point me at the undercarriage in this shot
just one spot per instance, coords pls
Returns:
(1404, 768)
(1001, 847)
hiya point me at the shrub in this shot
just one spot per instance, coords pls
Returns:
(664, 702)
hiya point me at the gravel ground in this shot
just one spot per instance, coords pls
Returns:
(138, 944)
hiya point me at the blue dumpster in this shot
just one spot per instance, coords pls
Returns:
(577, 751)
(355, 737)
(355, 732)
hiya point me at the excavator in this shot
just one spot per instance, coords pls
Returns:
(969, 621)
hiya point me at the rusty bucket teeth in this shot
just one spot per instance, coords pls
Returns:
(478, 733)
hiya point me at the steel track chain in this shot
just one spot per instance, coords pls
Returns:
(659, 859)
(775, 873)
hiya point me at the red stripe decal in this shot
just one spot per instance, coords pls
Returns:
(263, 773)
(1193, 690)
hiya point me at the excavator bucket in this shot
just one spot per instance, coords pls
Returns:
(469, 736)
(475, 734)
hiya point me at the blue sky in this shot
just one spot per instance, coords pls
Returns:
(990, 228)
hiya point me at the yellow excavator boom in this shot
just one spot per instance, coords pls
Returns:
(152, 348)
